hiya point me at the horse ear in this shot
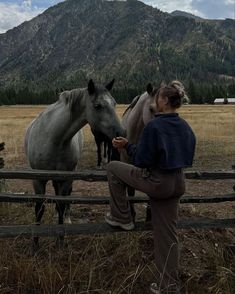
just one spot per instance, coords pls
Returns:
(163, 84)
(110, 85)
(149, 88)
(91, 87)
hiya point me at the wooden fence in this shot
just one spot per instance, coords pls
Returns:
(2, 146)
(102, 228)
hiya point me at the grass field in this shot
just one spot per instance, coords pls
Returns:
(121, 263)
(214, 127)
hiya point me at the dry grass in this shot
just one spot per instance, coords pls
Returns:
(121, 263)
(214, 127)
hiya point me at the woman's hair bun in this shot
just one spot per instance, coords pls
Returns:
(179, 87)
(181, 90)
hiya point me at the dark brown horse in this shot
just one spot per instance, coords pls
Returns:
(109, 152)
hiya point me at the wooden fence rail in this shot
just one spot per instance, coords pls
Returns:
(94, 228)
(102, 228)
(19, 198)
(100, 175)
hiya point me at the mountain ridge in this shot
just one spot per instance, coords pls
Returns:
(128, 40)
(185, 14)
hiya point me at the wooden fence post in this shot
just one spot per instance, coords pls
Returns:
(2, 145)
(233, 167)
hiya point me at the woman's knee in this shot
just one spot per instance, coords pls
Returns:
(114, 167)
(111, 165)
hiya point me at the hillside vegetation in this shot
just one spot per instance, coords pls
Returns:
(133, 42)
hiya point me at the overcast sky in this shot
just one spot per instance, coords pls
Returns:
(14, 12)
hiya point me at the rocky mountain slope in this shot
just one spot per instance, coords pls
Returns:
(128, 40)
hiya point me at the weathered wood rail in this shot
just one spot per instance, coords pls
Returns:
(19, 198)
(102, 228)
(100, 175)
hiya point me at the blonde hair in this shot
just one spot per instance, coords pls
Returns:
(175, 92)
(180, 87)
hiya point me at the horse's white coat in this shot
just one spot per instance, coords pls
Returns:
(54, 140)
(135, 118)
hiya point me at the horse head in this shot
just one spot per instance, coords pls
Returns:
(100, 110)
(141, 110)
(149, 106)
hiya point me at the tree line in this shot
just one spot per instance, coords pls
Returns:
(199, 93)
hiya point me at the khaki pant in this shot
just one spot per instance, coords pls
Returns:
(164, 190)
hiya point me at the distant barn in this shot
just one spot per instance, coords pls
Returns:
(224, 101)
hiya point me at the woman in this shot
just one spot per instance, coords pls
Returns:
(166, 146)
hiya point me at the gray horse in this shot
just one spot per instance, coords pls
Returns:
(54, 139)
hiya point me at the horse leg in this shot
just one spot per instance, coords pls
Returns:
(62, 189)
(148, 213)
(130, 190)
(39, 189)
(67, 219)
(60, 207)
(131, 193)
(105, 149)
(109, 152)
(99, 156)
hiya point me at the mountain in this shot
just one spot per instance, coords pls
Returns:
(133, 42)
(185, 14)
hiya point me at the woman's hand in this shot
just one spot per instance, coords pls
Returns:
(119, 142)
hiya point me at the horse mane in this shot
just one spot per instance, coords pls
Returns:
(133, 104)
(71, 98)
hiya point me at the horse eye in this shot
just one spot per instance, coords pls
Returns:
(97, 106)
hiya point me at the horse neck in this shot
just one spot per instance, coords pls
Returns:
(135, 123)
(73, 119)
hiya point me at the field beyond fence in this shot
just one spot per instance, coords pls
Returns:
(119, 263)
